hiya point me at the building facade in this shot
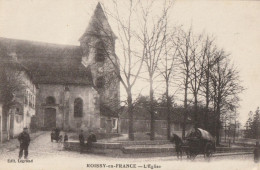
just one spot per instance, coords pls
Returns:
(22, 106)
(72, 87)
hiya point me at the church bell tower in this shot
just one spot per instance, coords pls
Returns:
(98, 46)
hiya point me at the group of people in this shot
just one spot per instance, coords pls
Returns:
(55, 135)
(90, 139)
(24, 140)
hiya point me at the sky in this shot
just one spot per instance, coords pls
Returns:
(234, 24)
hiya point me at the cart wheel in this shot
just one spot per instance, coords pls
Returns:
(208, 151)
(193, 156)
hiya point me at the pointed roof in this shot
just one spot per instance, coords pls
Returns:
(98, 24)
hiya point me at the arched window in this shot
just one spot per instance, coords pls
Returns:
(100, 51)
(100, 82)
(50, 100)
(78, 107)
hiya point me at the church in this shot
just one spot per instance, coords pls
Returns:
(71, 87)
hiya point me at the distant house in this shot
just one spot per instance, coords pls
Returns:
(108, 119)
(142, 121)
(23, 105)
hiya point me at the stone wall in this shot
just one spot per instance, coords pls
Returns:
(18, 125)
(160, 127)
(98, 47)
(28, 98)
(64, 106)
(110, 91)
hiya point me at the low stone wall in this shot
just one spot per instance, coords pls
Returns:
(116, 145)
(235, 149)
(74, 145)
(145, 142)
(142, 147)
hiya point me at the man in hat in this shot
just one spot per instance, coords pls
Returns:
(256, 152)
(24, 139)
(81, 141)
(91, 138)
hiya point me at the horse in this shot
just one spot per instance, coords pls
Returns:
(178, 145)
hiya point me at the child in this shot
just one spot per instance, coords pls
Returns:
(52, 135)
(66, 138)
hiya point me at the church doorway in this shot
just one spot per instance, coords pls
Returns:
(50, 118)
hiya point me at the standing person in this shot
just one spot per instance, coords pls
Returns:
(57, 134)
(24, 139)
(66, 138)
(91, 138)
(81, 141)
(52, 135)
(256, 152)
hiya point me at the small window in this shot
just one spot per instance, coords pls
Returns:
(100, 82)
(17, 111)
(33, 102)
(30, 100)
(26, 98)
(100, 57)
(102, 122)
(50, 100)
(114, 123)
(100, 51)
(78, 107)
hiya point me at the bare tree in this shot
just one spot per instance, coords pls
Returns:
(184, 60)
(128, 69)
(166, 70)
(210, 60)
(154, 43)
(226, 84)
(11, 82)
(198, 54)
(136, 45)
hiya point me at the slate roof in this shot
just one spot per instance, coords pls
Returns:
(49, 63)
(98, 24)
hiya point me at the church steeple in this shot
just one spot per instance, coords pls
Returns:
(98, 25)
(98, 47)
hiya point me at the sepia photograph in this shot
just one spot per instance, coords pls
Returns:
(130, 84)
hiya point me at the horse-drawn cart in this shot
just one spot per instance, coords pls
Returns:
(199, 142)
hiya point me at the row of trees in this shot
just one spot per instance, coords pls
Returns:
(151, 49)
(253, 125)
(141, 108)
(154, 51)
(207, 77)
